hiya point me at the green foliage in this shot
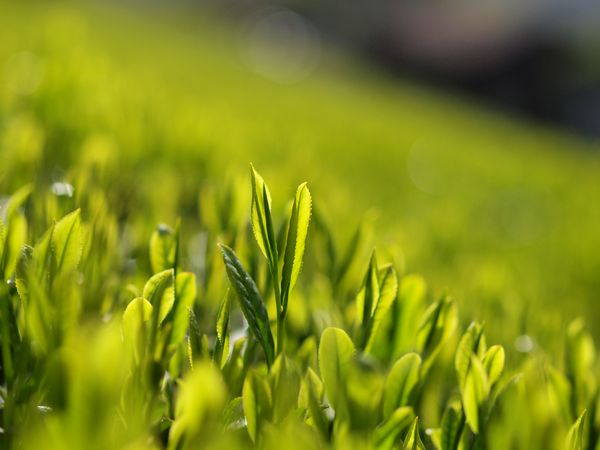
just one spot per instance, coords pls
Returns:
(115, 333)
(401, 383)
(250, 301)
(191, 375)
(575, 436)
(295, 242)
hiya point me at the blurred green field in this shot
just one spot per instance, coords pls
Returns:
(502, 214)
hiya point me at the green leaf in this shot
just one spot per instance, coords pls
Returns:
(67, 241)
(388, 291)
(466, 347)
(136, 314)
(413, 441)
(311, 395)
(401, 382)
(233, 414)
(452, 426)
(580, 363)
(222, 344)
(575, 435)
(251, 302)
(336, 353)
(475, 392)
(138, 311)
(560, 391)
(258, 403)
(437, 325)
(364, 388)
(367, 298)
(16, 236)
(295, 242)
(260, 211)
(493, 361)
(435, 435)
(411, 298)
(386, 434)
(200, 401)
(185, 295)
(163, 248)
(16, 201)
(42, 253)
(159, 291)
(285, 386)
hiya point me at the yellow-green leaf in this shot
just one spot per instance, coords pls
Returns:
(413, 441)
(261, 216)
(388, 291)
(386, 434)
(163, 248)
(466, 347)
(475, 392)
(336, 352)
(285, 386)
(17, 200)
(575, 438)
(258, 403)
(401, 382)
(295, 242)
(493, 361)
(200, 401)
(159, 291)
(67, 241)
(185, 295)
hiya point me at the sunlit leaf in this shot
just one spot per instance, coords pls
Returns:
(295, 242)
(388, 290)
(311, 396)
(436, 327)
(285, 385)
(401, 382)
(261, 217)
(386, 435)
(138, 310)
(258, 403)
(413, 441)
(411, 298)
(493, 361)
(185, 295)
(466, 347)
(475, 392)
(163, 249)
(575, 437)
(159, 291)
(336, 352)
(67, 241)
(222, 344)
(16, 201)
(201, 397)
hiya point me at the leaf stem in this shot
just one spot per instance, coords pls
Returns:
(280, 333)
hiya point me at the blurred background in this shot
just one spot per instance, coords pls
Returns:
(467, 133)
(536, 58)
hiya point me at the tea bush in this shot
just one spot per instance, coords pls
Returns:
(90, 361)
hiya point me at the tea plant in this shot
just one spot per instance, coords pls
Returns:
(260, 354)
